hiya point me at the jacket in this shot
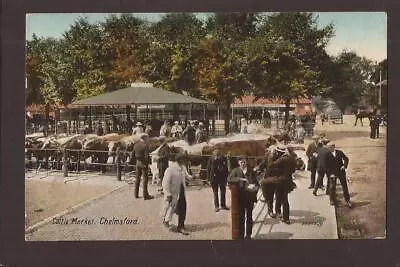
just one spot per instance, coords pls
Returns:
(163, 155)
(335, 163)
(244, 195)
(175, 176)
(141, 153)
(321, 158)
(217, 169)
(312, 160)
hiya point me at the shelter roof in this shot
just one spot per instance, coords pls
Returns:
(248, 100)
(138, 95)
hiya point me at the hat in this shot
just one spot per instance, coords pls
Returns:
(315, 137)
(161, 137)
(138, 123)
(331, 144)
(325, 140)
(201, 123)
(241, 157)
(180, 156)
(281, 148)
(176, 122)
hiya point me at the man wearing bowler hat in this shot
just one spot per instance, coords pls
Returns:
(247, 195)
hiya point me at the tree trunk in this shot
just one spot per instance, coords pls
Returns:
(46, 123)
(226, 115)
(287, 108)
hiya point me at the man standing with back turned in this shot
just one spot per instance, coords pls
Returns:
(141, 154)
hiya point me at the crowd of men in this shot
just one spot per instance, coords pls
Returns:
(327, 161)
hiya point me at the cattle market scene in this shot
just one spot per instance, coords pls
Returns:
(203, 126)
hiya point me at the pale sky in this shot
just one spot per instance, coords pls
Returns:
(362, 32)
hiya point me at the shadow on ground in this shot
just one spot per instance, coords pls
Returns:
(205, 226)
(274, 235)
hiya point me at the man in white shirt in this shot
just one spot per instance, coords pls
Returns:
(138, 129)
(174, 187)
(176, 130)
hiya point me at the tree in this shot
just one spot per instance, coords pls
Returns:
(170, 46)
(287, 57)
(84, 50)
(124, 50)
(34, 75)
(351, 79)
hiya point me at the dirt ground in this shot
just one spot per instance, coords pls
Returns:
(366, 179)
(47, 195)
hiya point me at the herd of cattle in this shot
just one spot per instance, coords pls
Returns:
(96, 152)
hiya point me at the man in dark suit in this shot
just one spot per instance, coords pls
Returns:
(337, 163)
(286, 166)
(217, 170)
(322, 152)
(163, 157)
(247, 195)
(141, 154)
(312, 159)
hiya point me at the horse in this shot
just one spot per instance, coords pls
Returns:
(361, 115)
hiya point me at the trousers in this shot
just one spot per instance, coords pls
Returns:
(181, 208)
(343, 182)
(245, 218)
(222, 188)
(141, 169)
(268, 191)
(282, 201)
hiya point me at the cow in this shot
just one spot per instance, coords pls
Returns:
(97, 149)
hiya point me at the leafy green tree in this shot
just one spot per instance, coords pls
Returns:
(123, 49)
(84, 50)
(287, 57)
(351, 79)
(220, 64)
(169, 55)
(34, 75)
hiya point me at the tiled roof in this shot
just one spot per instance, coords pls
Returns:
(248, 100)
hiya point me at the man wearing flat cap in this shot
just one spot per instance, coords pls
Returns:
(312, 159)
(337, 163)
(141, 154)
(247, 196)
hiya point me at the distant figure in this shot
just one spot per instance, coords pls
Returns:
(138, 129)
(176, 130)
(201, 134)
(165, 129)
(243, 126)
(148, 130)
(99, 129)
(190, 134)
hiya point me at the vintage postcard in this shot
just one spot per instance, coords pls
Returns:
(205, 126)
